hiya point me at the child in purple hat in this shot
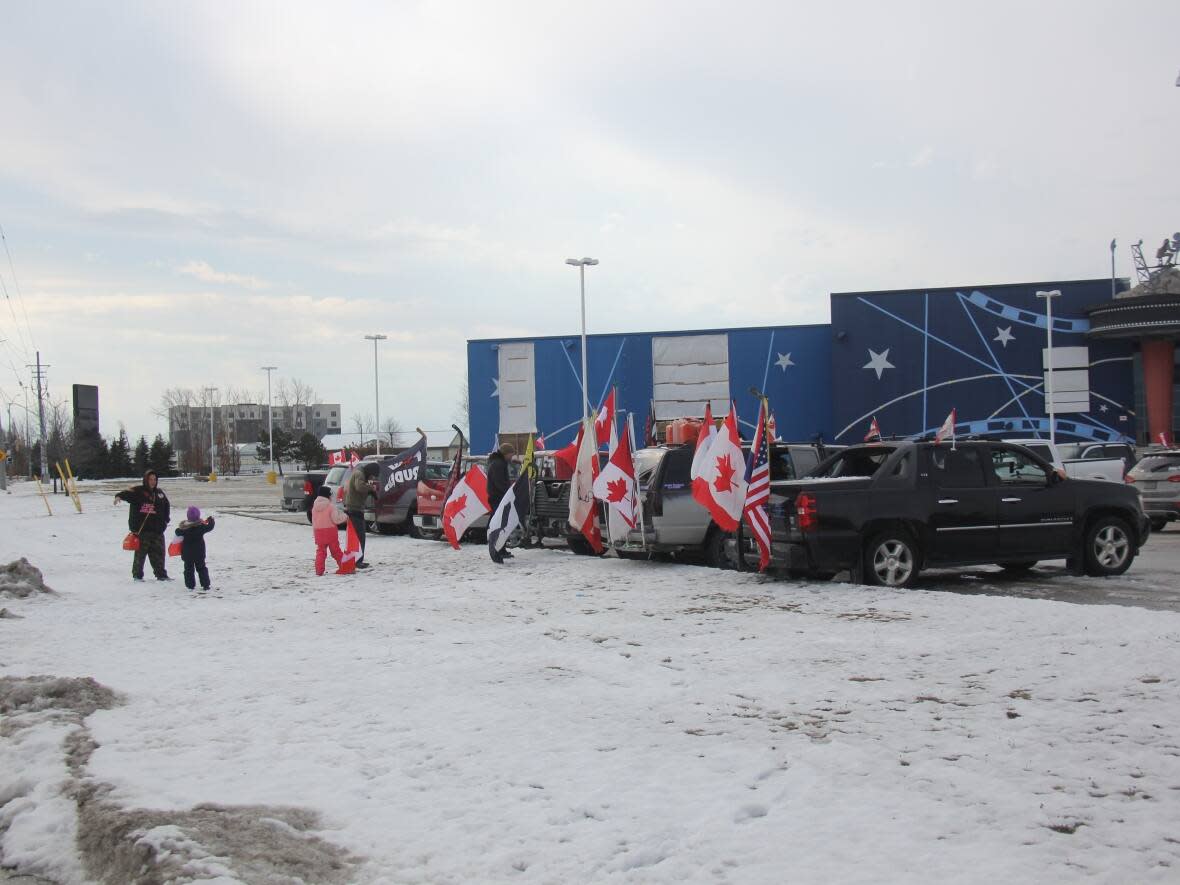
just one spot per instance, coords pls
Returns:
(192, 547)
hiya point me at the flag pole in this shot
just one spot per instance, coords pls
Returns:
(638, 490)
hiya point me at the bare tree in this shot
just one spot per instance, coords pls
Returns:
(462, 414)
(362, 424)
(391, 427)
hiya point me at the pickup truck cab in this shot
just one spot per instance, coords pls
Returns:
(886, 511)
(673, 521)
(432, 486)
(1094, 466)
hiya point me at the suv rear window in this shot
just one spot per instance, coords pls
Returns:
(856, 462)
(335, 475)
(436, 471)
(1164, 462)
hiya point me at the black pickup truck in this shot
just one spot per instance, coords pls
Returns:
(886, 511)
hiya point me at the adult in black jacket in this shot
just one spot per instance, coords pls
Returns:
(148, 519)
(498, 479)
(192, 547)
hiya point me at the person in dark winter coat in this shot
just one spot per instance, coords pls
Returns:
(361, 485)
(192, 547)
(148, 519)
(499, 482)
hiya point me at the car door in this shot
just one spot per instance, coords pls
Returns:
(961, 503)
(1036, 506)
(683, 520)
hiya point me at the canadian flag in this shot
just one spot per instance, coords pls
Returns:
(582, 506)
(724, 475)
(467, 502)
(874, 434)
(704, 439)
(342, 457)
(352, 552)
(605, 421)
(771, 429)
(616, 486)
(947, 429)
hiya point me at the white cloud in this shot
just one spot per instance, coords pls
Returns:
(923, 157)
(202, 271)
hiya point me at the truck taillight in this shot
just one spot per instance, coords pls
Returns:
(307, 490)
(1175, 477)
(340, 494)
(805, 512)
(1128, 478)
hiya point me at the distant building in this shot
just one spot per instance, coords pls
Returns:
(238, 424)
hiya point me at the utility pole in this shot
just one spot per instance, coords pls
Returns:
(40, 371)
(212, 444)
(270, 422)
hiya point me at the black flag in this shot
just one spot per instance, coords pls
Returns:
(399, 474)
(512, 513)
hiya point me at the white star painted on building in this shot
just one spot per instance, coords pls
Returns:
(784, 360)
(1104, 408)
(1005, 335)
(495, 387)
(879, 362)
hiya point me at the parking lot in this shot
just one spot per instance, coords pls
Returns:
(1152, 582)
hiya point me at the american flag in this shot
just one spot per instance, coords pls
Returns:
(758, 490)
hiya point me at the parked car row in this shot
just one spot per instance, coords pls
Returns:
(882, 512)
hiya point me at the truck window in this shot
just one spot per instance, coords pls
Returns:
(1043, 450)
(805, 461)
(957, 468)
(1016, 468)
(782, 466)
(857, 462)
(676, 466)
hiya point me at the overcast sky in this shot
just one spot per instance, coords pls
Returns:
(190, 191)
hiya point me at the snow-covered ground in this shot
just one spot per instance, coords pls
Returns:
(563, 719)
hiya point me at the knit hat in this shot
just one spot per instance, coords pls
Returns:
(325, 492)
(193, 514)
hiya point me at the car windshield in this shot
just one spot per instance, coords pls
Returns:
(335, 476)
(1162, 463)
(855, 462)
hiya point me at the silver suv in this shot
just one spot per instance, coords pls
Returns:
(1157, 477)
(673, 522)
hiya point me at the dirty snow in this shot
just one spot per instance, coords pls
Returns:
(566, 719)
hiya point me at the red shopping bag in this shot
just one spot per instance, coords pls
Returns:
(131, 542)
(174, 548)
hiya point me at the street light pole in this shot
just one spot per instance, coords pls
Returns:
(376, 387)
(580, 264)
(1049, 296)
(212, 445)
(270, 420)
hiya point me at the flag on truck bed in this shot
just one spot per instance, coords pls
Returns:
(512, 514)
(758, 490)
(467, 502)
(615, 486)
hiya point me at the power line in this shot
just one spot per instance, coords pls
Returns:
(16, 284)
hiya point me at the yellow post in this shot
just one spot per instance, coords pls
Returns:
(272, 477)
(212, 476)
(41, 490)
(73, 486)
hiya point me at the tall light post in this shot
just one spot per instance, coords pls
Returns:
(1049, 296)
(376, 387)
(270, 421)
(581, 264)
(212, 445)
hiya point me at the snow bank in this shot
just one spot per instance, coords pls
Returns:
(20, 579)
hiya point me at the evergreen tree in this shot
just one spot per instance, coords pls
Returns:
(119, 460)
(309, 451)
(285, 448)
(140, 465)
(160, 457)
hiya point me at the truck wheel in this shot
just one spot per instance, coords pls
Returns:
(1108, 549)
(891, 559)
(411, 527)
(581, 546)
(715, 549)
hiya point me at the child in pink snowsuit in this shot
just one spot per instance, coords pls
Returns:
(325, 516)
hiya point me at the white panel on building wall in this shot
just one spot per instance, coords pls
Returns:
(1071, 378)
(518, 388)
(687, 372)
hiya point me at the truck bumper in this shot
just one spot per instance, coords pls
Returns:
(430, 523)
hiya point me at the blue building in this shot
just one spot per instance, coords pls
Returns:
(906, 357)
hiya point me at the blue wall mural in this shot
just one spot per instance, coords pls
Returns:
(792, 364)
(910, 357)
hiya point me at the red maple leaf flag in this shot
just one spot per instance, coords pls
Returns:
(874, 434)
(583, 510)
(723, 490)
(352, 552)
(604, 423)
(616, 486)
(705, 438)
(468, 501)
